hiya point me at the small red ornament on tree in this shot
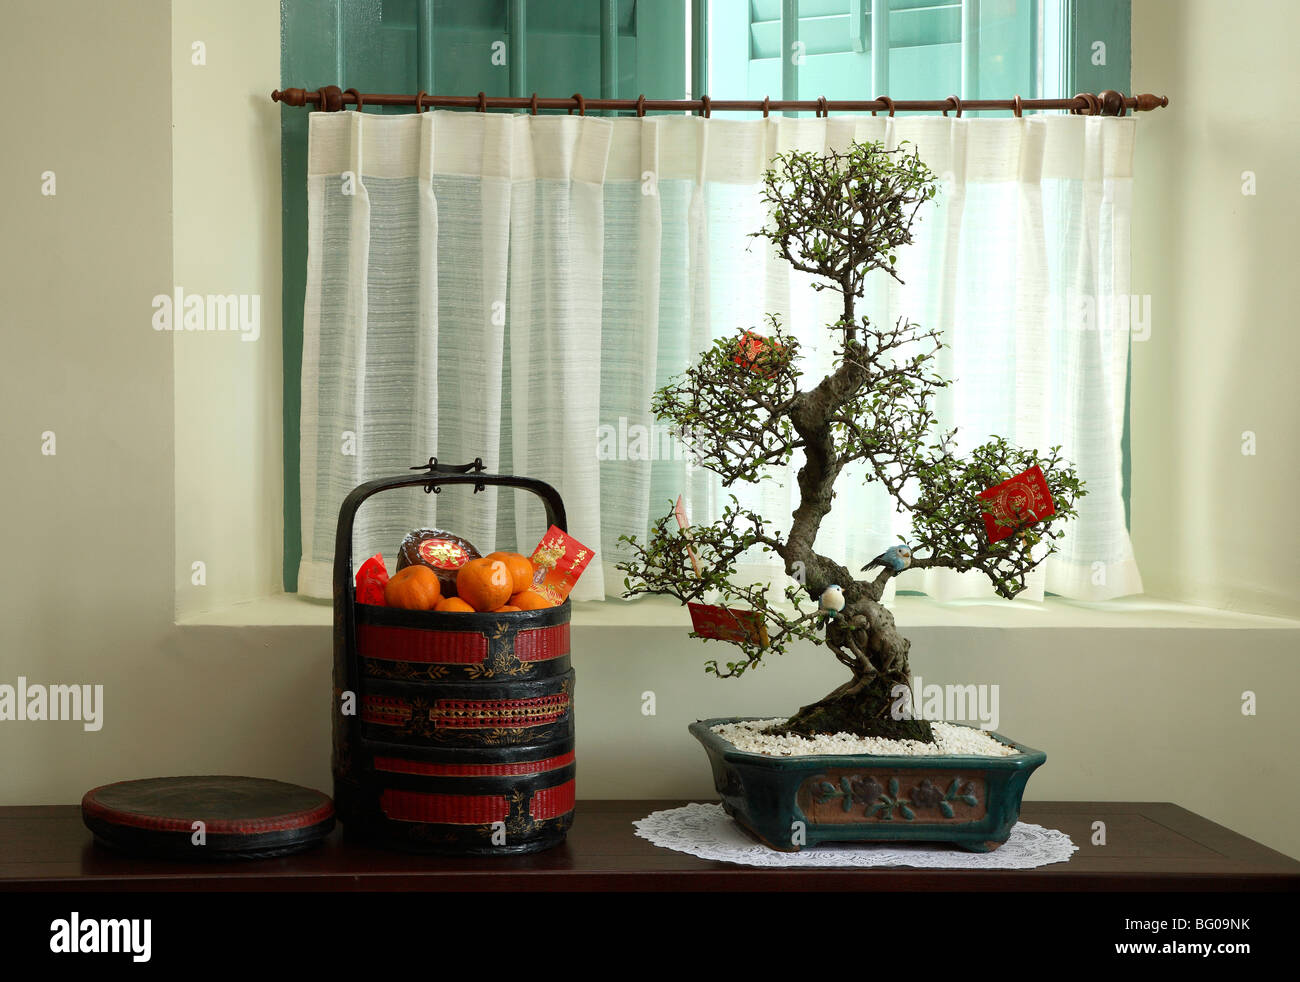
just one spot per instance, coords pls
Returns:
(1016, 503)
(728, 624)
(758, 354)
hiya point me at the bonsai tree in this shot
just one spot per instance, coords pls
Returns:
(744, 409)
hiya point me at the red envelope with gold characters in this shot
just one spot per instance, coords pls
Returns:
(559, 560)
(727, 623)
(758, 354)
(372, 577)
(1016, 503)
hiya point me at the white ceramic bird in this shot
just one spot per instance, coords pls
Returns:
(831, 603)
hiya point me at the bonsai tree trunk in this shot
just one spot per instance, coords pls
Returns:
(873, 701)
(863, 637)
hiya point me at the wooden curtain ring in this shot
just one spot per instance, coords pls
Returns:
(640, 105)
(766, 102)
(330, 98)
(419, 100)
(1017, 106)
(532, 104)
(1092, 107)
(1112, 103)
(582, 104)
(889, 104)
(705, 109)
(482, 102)
(953, 103)
(822, 111)
(356, 95)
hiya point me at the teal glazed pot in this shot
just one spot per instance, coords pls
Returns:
(790, 802)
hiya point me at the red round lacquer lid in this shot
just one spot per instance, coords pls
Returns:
(214, 813)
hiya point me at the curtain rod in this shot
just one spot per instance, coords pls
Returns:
(1108, 103)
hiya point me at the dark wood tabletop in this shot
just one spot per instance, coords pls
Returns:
(1150, 846)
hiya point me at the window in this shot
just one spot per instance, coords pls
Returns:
(971, 48)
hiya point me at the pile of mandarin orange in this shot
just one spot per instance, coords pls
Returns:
(500, 581)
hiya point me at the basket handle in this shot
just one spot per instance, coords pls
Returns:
(436, 476)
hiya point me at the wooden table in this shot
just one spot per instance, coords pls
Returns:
(1150, 847)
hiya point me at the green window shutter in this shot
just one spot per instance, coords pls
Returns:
(1101, 46)
(750, 40)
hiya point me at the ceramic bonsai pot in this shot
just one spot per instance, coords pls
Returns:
(789, 802)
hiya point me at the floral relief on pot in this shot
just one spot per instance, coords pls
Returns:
(850, 796)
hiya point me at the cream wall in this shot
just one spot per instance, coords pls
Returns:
(226, 227)
(1210, 524)
(1127, 705)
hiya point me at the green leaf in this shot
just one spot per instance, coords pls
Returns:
(946, 809)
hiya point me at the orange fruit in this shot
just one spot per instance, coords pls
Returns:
(506, 607)
(454, 604)
(413, 588)
(530, 600)
(484, 584)
(521, 569)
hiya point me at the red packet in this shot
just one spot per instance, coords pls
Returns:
(372, 577)
(758, 354)
(728, 623)
(560, 560)
(1019, 501)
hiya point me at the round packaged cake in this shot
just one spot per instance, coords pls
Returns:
(443, 552)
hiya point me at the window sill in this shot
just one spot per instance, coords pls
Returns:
(289, 610)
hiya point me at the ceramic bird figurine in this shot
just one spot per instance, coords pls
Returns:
(831, 603)
(897, 558)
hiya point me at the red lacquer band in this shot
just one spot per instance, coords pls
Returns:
(459, 714)
(396, 765)
(386, 643)
(385, 711)
(552, 802)
(542, 643)
(92, 808)
(465, 714)
(444, 809)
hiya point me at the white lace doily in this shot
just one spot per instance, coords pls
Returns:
(708, 832)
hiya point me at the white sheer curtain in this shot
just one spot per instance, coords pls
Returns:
(514, 288)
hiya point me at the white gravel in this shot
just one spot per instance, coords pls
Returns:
(949, 738)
